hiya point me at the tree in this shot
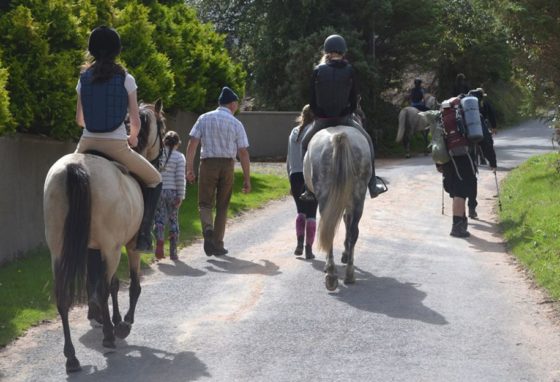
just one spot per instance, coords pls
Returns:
(150, 68)
(534, 32)
(201, 65)
(6, 120)
(42, 72)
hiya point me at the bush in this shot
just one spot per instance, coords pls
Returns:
(6, 120)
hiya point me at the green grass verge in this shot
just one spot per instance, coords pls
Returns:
(26, 283)
(530, 218)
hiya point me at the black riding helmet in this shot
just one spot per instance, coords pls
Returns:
(104, 42)
(417, 81)
(335, 44)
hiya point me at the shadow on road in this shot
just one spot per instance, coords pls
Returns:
(179, 268)
(384, 295)
(227, 264)
(139, 363)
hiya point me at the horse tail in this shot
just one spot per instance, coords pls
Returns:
(403, 116)
(70, 269)
(340, 190)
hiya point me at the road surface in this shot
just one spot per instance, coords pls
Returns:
(425, 307)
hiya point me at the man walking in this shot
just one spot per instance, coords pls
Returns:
(222, 137)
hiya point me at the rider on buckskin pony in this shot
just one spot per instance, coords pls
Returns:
(106, 92)
(334, 100)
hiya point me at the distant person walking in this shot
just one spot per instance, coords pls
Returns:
(222, 137)
(172, 168)
(306, 224)
(460, 86)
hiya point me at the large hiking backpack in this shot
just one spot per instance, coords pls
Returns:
(453, 127)
(440, 155)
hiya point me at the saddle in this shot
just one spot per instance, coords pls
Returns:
(123, 169)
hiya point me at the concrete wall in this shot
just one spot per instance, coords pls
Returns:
(24, 163)
(267, 131)
(26, 159)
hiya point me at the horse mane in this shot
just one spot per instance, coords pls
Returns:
(146, 111)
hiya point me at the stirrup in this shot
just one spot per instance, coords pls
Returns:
(379, 188)
(307, 196)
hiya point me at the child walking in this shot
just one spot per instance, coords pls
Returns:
(167, 213)
(306, 210)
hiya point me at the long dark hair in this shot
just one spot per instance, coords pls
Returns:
(104, 69)
(304, 119)
(170, 140)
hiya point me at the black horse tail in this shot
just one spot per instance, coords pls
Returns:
(70, 269)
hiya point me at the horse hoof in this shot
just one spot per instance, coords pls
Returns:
(73, 365)
(407, 156)
(344, 258)
(331, 282)
(122, 330)
(109, 344)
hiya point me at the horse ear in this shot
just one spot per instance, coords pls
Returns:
(159, 105)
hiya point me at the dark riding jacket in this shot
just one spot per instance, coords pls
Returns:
(333, 90)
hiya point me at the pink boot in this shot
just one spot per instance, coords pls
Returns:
(310, 229)
(159, 250)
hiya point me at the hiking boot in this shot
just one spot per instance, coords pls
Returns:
(309, 252)
(299, 248)
(472, 213)
(220, 252)
(209, 248)
(307, 196)
(376, 186)
(459, 229)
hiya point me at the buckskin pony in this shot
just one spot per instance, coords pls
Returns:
(92, 207)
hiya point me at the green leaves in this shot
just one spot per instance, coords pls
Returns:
(43, 44)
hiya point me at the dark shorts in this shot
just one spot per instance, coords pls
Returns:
(459, 180)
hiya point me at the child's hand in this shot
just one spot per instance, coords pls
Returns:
(178, 201)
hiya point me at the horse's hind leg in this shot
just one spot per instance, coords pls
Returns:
(123, 328)
(331, 279)
(114, 289)
(352, 231)
(72, 363)
(108, 329)
(95, 270)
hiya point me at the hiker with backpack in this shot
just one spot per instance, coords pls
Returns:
(459, 129)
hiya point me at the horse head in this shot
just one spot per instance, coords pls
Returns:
(431, 102)
(430, 119)
(152, 130)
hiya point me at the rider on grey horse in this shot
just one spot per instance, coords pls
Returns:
(417, 94)
(334, 99)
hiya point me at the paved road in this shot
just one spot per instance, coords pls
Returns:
(426, 306)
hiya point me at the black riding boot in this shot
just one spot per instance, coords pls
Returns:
(151, 198)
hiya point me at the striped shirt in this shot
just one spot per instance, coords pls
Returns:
(221, 134)
(173, 174)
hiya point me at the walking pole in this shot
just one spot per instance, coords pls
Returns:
(498, 190)
(442, 205)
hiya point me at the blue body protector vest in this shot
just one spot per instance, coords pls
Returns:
(332, 89)
(105, 104)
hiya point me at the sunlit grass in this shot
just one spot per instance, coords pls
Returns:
(531, 218)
